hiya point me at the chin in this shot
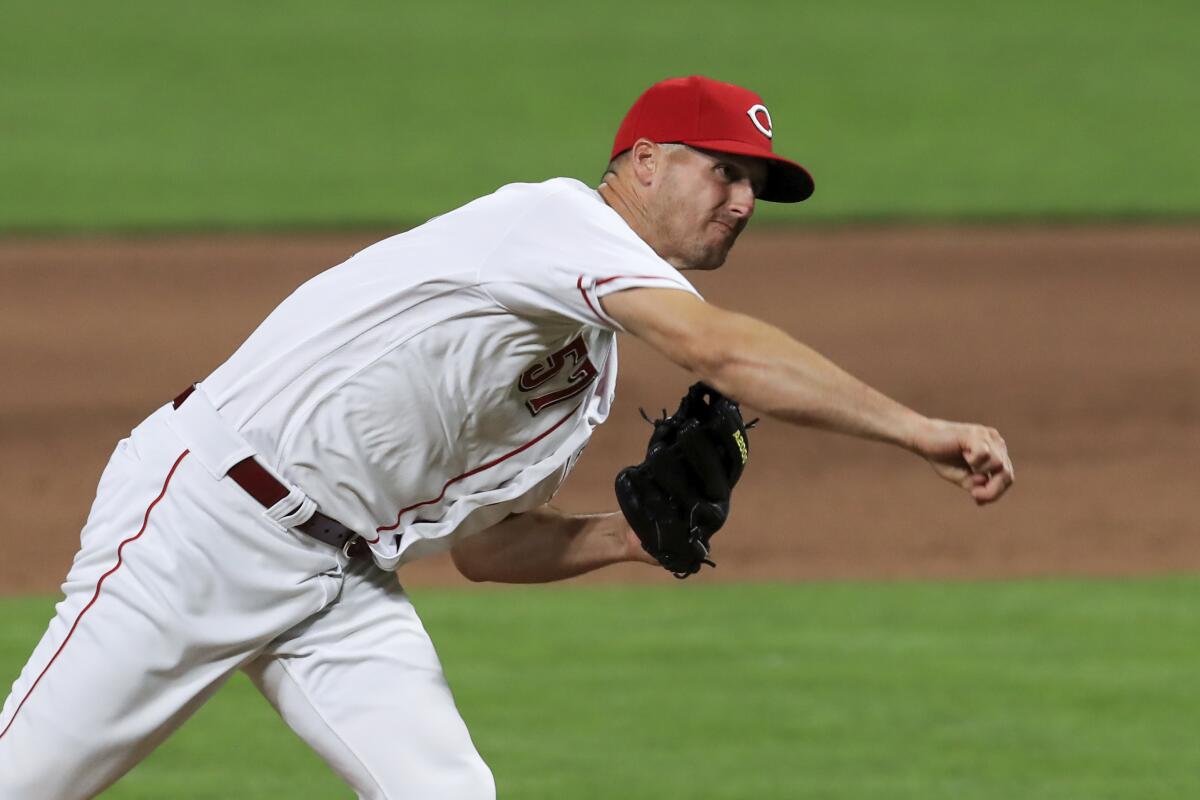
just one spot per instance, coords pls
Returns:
(705, 266)
(707, 255)
(712, 257)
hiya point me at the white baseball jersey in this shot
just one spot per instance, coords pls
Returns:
(419, 392)
(444, 378)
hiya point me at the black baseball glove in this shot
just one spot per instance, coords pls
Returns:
(678, 497)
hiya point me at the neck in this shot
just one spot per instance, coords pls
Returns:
(631, 206)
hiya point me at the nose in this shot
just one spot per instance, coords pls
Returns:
(741, 202)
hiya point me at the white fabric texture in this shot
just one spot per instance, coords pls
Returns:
(387, 387)
(157, 616)
(419, 392)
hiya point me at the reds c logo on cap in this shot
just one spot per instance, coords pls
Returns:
(754, 111)
(710, 115)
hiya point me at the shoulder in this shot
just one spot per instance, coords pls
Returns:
(565, 200)
(555, 192)
(562, 220)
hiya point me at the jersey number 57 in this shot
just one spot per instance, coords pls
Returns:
(581, 372)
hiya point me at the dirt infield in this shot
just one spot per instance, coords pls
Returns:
(1079, 344)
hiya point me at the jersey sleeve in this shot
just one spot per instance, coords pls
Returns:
(565, 255)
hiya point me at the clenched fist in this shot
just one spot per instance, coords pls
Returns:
(974, 457)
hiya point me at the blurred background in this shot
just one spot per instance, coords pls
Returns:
(1006, 229)
(145, 116)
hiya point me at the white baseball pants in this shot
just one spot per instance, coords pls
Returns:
(182, 578)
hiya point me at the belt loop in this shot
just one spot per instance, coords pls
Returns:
(232, 457)
(184, 395)
(299, 509)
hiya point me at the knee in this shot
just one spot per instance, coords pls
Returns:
(476, 783)
(461, 779)
(34, 787)
(472, 780)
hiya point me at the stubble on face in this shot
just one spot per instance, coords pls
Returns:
(693, 222)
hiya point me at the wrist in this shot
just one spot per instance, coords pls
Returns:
(615, 540)
(913, 432)
(630, 545)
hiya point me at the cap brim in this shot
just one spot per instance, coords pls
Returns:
(787, 181)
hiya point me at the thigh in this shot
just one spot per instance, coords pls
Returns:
(152, 622)
(362, 685)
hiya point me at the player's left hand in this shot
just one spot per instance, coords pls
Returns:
(974, 457)
(678, 497)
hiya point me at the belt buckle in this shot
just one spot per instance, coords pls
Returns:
(353, 540)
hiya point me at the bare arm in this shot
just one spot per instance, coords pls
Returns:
(763, 367)
(546, 545)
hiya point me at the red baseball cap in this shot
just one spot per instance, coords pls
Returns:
(708, 114)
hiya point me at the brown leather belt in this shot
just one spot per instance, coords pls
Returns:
(263, 487)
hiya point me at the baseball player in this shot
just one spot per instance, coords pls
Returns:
(429, 394)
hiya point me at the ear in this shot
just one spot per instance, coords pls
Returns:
(646, 160)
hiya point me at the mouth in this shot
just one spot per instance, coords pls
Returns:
(727, 226)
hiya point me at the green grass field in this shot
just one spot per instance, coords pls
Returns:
(1024, 689)
(147, 116)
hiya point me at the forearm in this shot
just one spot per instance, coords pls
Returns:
(546, 545)
(764, 368)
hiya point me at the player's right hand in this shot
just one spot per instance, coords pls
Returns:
(974, 457)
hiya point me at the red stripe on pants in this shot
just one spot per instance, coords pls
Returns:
(99, 585)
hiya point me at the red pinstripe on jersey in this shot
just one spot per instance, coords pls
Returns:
(600, 315)
(586, 299)
(476, 471)
(99, 585)
(603, 281)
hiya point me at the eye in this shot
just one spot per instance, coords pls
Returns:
(732, 173)
(729, 172)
